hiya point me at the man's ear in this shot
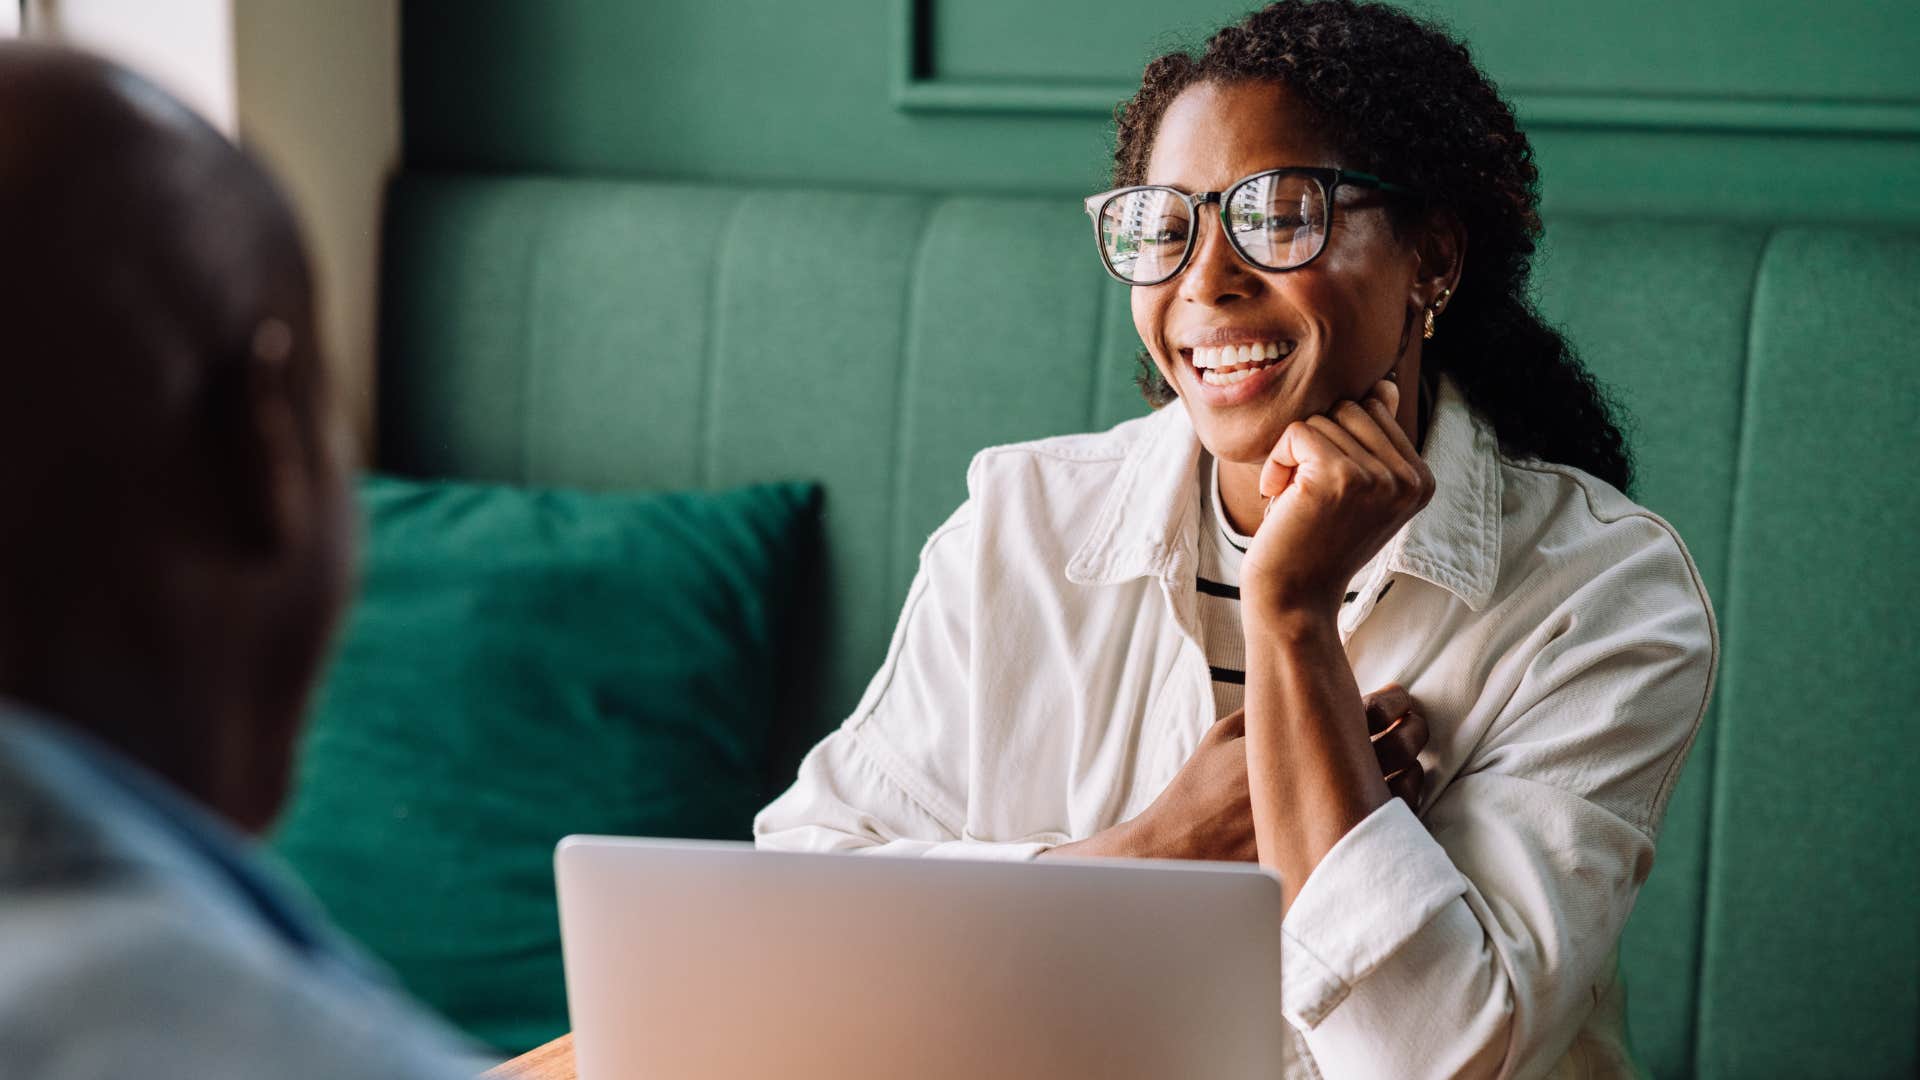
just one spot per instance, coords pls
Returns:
(262, 474)
(1440, 254)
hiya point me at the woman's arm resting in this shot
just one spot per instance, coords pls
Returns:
(1475, 944)
(1312, 770)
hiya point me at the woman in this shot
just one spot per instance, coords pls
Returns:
(1327, 206)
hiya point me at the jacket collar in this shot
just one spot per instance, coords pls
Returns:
(1145, 527)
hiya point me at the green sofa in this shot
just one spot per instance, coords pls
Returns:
(564, 332)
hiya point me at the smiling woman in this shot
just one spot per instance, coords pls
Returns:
(1152, 641)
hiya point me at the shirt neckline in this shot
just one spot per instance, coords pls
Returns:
(1238, 540)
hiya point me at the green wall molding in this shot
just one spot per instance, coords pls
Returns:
(1685, 113)
(918, 87)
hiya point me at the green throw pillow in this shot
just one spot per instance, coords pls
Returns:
(522, 665)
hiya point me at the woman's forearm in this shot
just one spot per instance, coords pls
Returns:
(1311, 770)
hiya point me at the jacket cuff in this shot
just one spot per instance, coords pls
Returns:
(1374, 890)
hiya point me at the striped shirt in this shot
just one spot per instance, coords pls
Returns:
(1221, 552)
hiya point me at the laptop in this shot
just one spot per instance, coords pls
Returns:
(712, 960)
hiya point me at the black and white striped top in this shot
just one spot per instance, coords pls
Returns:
(1218, 594)
(1221, 552)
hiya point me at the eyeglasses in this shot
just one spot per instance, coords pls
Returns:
(1275, 220)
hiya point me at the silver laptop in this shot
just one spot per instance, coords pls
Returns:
(702, 960)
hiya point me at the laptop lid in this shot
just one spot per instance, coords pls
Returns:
(693, 959)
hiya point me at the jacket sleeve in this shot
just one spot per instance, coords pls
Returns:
(892, 779)
(1476, 945)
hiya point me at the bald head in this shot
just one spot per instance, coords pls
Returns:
(131, 224)
(172, 518)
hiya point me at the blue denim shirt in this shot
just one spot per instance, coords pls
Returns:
(141, 937)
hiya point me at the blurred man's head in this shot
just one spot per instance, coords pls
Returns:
(175, 532)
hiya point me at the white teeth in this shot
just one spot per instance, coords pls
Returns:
(1227, 356)
(1228, 378)
(1223, 365)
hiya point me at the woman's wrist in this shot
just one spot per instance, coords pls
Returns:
(1126, 840)
(1284, 610)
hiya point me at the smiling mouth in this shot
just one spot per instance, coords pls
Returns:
(1228, 364)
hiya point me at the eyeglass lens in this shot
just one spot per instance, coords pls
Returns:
(1276, 222)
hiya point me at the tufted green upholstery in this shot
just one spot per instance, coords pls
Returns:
(576, 332)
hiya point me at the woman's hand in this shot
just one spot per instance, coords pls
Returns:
(1341, 485)
(1205, 812)
(1399, 733)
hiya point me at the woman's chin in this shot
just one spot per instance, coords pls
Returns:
(1245, 435)
(1234, 444)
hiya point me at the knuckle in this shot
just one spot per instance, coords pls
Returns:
(1418, 724)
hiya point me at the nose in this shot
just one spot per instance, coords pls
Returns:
(1216, 274)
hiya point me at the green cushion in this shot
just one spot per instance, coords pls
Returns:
(1660, 318)
(1812, 958)
(522, 665)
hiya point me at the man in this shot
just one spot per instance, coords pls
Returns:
(175, 546)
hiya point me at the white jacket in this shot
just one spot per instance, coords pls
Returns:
(1046, 681)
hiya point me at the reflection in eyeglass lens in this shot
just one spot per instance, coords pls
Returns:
(1145, 233)
(1278, 221)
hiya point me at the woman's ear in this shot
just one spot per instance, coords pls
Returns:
(1440, 253)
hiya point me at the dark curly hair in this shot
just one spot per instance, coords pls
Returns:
(1398, 97)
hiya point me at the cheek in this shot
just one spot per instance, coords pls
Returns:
(1356, 315)
(1150, 322)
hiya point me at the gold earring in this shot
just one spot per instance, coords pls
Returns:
(1438, 303)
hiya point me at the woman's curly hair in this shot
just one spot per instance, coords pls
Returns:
(1398, 97)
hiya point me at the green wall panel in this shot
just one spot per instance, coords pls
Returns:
(1845, 51)
(1762, 111)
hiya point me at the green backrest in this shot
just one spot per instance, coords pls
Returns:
(595, 334)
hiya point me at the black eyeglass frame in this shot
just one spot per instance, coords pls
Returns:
(1329, 180)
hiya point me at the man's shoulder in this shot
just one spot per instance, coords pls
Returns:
(128, 979)
(140, 939)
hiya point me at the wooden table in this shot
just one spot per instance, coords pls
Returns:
(553, 1061)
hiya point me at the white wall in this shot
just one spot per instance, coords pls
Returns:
(184, 45)
(319, 99)
(313, 88)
